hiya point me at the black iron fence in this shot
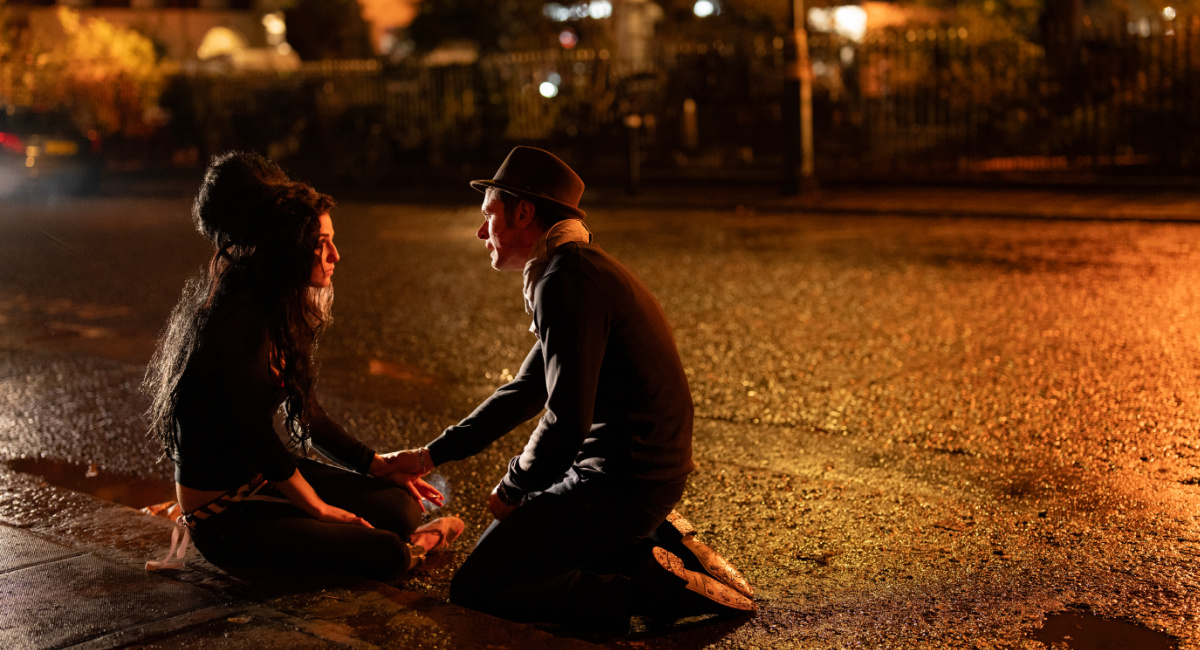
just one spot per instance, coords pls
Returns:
(936, 101)
(931, 102)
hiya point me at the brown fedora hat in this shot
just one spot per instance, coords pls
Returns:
(541, 177)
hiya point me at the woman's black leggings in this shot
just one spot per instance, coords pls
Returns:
(280, 535)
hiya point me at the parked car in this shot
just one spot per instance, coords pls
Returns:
(44, 151)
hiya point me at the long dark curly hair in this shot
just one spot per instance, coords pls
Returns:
(265, 229)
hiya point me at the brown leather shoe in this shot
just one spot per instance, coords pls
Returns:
(711, 561)
(701, 584)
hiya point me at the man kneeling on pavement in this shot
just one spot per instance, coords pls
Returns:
(585, 532)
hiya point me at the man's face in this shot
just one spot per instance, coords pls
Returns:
(507, 237)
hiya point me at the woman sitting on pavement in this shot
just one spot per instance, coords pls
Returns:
(239, 344)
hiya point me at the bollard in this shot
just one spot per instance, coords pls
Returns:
(690, 126)
(633, 122)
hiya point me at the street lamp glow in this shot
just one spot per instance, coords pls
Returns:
(704, 8)
(600, 9)
(850, 21)
(220, 41)
(276, 29)
(556, 12)
(548, 89)
(1169, 13)
(820, 19)
(274, 24)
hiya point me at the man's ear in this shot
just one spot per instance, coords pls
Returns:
(525, 212)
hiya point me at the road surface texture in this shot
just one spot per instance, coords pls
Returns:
(911, 431)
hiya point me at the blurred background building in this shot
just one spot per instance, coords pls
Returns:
(355, 91)
(226, 34)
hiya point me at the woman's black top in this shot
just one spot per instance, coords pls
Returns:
(227, 401)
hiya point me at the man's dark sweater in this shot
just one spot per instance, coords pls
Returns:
(605, 368)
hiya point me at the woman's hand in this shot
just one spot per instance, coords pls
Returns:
(416, 462)
(334, 515)
(405, 468)
(418, 488)
(300, 493)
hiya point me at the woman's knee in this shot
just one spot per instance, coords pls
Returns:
(410, 511)
(391, 508)
(385, 557)
(405, 512)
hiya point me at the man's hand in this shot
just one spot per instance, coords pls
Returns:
(499, 508)
(415, 462)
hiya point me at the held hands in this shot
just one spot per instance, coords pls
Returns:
(416, 462)
(405, 468)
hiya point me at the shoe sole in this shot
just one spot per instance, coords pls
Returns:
(712, 562)
(701, 584)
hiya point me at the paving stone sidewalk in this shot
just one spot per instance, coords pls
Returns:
(72, 574)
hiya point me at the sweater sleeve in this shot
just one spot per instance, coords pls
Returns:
(250, 389)
(573, 322)
(334, 441)
(511, 404)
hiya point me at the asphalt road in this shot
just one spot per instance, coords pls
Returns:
(911, 431)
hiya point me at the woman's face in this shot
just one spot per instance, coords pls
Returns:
(325, 256)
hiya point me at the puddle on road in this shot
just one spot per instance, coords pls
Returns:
(124, 489)
(1083, 631)
(402, 372)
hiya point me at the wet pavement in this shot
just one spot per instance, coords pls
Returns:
(950, 430)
